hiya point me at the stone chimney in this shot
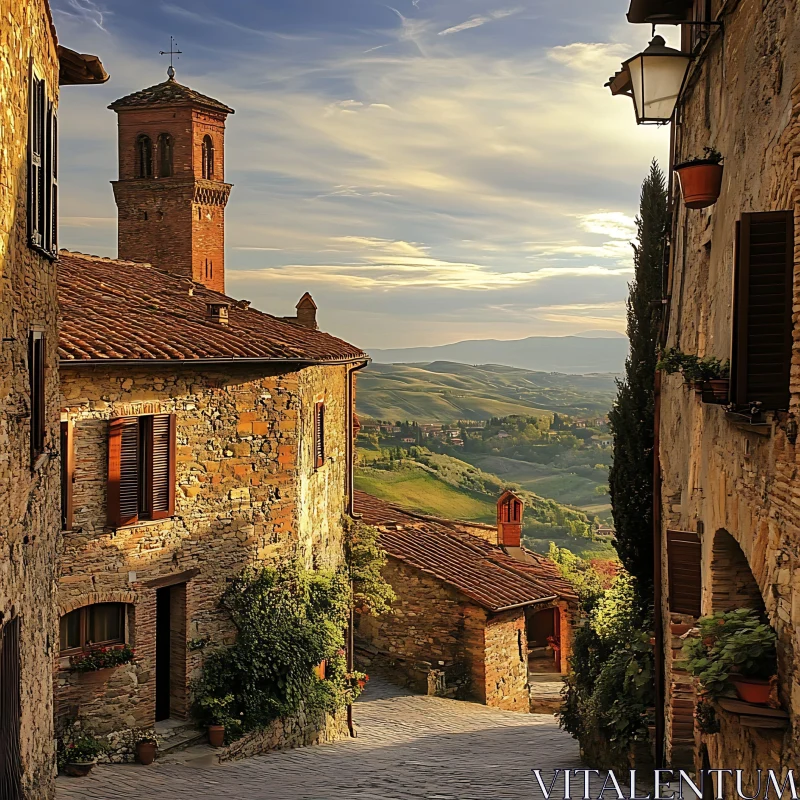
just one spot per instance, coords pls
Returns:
(218, 312)
(509, 520)
(307, 312)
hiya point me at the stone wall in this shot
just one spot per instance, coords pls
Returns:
(435, 633)
(29, 497)
(245, 495)
(743, 98)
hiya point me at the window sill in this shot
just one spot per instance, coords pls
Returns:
(752, 716)
(142, 523)
(42, 252)
(749, 424)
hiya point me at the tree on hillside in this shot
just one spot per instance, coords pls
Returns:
(631, 418)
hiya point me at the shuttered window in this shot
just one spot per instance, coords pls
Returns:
(141, 469)
(42, 169)
(319, 434)
(762, 327)
(10, 760)
(36, 388)
(684, 570)
(67, 474)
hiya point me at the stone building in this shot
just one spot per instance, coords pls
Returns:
(476, 615)
(200, 436)
(728, 526)
(32, 66)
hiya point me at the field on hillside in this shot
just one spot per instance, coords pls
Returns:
(447, 391)
(547, 480)
(446, 487)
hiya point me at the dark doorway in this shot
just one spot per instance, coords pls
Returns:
(544, 640)
(171, 690)
(10, 708)
(163, 647)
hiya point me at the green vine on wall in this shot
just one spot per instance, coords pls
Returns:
(365, 560)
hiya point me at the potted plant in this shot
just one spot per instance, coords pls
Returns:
(95, 664)
(701, 179)
(705, 374)
(146, 746)
(214, 712)
(80, 754)
(735, 649)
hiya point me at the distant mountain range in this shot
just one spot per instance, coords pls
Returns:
(593, 352)
(445, 392)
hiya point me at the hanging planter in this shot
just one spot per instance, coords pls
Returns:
(717, 391)
(701, 179)
(709, 376)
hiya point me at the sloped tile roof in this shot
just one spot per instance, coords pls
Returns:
(169, 93)
(476, 568)
(121, 310)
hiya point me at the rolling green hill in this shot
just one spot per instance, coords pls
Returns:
(448, 487)
(445, 391)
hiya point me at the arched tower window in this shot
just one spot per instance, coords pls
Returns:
(144, 156)
(208, 157)
(165, 155)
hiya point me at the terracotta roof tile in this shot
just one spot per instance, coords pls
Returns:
(113, 310)
(169, 93)
(478, 569)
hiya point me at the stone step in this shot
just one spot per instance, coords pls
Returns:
(198, 755)
(181, 741)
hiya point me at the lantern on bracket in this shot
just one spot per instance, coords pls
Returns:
(654, 80)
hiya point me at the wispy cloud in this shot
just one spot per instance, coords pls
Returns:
(82, 10)
(478, 20)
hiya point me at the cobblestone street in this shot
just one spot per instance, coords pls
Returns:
(408, 746)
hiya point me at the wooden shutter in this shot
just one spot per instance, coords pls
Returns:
(36, 158)
(51, 210)
(160, 469)
(10, 761)
(319, 435)
(762, 328)
(123, 471)
(684, 556)
(36, 380)
(67, 474)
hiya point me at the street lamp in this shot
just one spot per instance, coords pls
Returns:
(654, 79)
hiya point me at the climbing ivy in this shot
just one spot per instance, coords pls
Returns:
(288, 621)
(365, 560)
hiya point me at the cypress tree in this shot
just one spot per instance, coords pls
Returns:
(632, 418)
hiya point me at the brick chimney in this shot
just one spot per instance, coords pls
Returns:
(307, 312)
(509, 520)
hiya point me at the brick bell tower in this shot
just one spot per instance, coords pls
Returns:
(171, 193)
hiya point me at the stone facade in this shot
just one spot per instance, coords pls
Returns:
(736, 484)
(29, 494)
(442, 642)
(248, 493)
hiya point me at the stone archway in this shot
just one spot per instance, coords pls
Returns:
(733, 584)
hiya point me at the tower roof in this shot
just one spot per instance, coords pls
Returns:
(169, 93)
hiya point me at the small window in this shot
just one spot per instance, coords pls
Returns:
(165, 155)
(96, 625)
(37, 400)
(144, 156)
(208, 157)
(141, 469)
(319, 435)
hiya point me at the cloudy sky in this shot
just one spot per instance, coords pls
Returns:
(431, 170)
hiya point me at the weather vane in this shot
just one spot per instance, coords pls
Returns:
(173, 51)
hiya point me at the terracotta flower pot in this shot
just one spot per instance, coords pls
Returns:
(701, 183)
(216, 735)
(79, 769)
(95, 676)
(752, 690)
(146, 752)
(720, 389)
